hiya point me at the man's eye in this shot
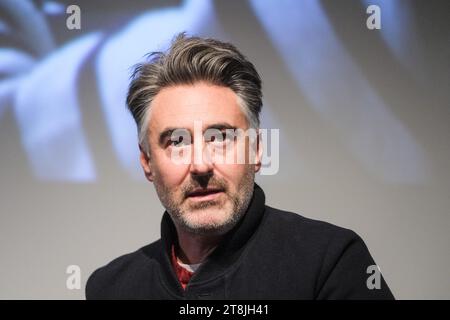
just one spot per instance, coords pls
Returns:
(222, 137)
(178, 142)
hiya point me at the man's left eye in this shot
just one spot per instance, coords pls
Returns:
(218, 138)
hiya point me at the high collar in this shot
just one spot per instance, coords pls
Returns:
(229, 248)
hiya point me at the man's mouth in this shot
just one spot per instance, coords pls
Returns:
(203, 194)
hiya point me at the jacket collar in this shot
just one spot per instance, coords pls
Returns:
(227, 252)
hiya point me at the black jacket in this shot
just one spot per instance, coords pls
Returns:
(270, 254)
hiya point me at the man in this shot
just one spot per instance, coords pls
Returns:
(218, 238)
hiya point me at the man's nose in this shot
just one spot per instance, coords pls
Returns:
(202, 163)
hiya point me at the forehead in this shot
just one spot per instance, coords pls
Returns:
(179, 106)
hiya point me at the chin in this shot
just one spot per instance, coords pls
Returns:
(208, 221)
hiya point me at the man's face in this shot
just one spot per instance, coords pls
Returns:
(202, 195)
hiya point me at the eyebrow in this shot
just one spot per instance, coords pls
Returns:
(167, 132)
(221, 126)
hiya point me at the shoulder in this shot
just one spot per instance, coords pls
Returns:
(338, 255)
(118, 275)
(304, 229)
(318, 243)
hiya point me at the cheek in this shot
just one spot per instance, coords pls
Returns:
(238, 168)
(233, 173)
(167, 172)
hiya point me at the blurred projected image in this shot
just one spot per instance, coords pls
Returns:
(40, 77)
(47, 45)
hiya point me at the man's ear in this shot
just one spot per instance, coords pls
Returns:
(259, 152)
(145, 163)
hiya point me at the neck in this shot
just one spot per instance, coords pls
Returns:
(194, 248)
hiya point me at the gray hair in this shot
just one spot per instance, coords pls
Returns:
(187, 61)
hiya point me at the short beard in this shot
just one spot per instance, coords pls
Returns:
(240, 203)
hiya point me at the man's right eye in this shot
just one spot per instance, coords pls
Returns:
(177, 142)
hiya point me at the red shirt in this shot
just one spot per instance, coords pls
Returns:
(183, 275)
